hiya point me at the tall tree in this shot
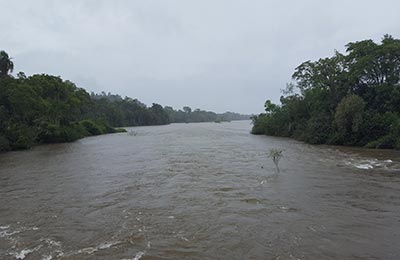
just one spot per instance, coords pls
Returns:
(350, 99)
(6, 64)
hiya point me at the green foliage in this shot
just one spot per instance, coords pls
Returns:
(91, 127)
(346, 99)
(349, 116)
(318, 129)
(120, 130)
(59, 134)
(118, 111)
(20, 136)
(259, 124)
(188, 116)
(387, 141)
(270, 107)
(47, 109)
(4, 143)
(6, 65)
(391, 139)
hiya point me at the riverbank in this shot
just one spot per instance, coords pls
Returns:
(47, 109)
(346, 99)
(60, 134)
(373, 145)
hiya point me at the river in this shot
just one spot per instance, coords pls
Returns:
(198, 191)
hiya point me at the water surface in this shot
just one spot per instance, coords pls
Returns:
(198, 191)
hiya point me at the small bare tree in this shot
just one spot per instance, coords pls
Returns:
(275, 155)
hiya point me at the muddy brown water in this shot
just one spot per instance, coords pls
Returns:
(198, 191)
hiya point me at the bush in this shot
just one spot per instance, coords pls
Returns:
(107, 129)
(397, 146)
(61, 134)
(259, 123)
(20, 136)
(390, 132)
(4, 144)
(349, 117)
(120, 130)
(73, 132)
(385, 142)
(68, 133)
(318, 130)
(92, 128)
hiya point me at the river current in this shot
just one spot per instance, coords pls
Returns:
(198, 191)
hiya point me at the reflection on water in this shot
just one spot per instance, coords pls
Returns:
(198, 191)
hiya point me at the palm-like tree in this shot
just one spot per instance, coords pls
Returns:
(6, 65)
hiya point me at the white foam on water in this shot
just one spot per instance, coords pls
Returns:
(138, 255)
(47, 257)
(364, 166)
(108, 245)
(368, 164)
(51, 242)
(59, 253)
(102, 246)
(184, 239)
(87, 250)
(24, 252)
(7, 233)
(180, 236)
(171, 217)
(312, 229)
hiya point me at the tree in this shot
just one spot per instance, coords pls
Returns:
(187, 110)
(270, 107)
(276, 156)
(349, 114)
(351, 99)
(160, 116)
(6, 65)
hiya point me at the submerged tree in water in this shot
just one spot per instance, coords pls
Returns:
(275, 155)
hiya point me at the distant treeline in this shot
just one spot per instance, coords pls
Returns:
(120, 111)
(348, 99)
(46, 109)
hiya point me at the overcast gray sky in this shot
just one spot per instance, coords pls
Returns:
(220, 55)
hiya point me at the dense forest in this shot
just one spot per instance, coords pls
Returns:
(118, 112)
(47, 109)
(347, 99)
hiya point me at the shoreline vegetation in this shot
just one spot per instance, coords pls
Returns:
(350, 99)
(43, 108)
